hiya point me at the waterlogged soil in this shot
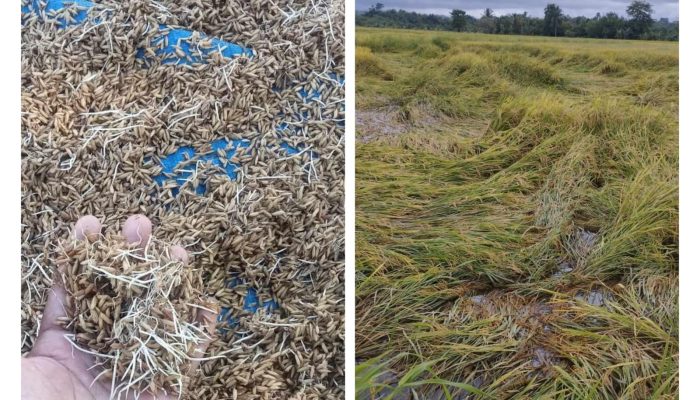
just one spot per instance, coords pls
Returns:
(390, 379)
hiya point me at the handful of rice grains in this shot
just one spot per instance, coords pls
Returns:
(136, 310)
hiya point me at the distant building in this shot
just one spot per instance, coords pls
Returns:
(663, 20)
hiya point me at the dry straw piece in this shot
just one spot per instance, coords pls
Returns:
(97, 120)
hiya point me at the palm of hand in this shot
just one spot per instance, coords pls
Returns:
(55, 369)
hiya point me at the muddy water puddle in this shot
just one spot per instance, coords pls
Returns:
(578, 246)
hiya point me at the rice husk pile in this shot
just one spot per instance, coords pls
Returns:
(136, 311)
(97, 120)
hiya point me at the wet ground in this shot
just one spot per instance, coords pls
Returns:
(390, 379)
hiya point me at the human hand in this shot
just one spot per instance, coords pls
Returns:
(54, 369)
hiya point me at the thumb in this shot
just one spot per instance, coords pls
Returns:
(88, 228)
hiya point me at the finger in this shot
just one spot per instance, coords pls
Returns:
(206, 316)
(137, 230)
(55, 308)
(178, 253)
(87, 227)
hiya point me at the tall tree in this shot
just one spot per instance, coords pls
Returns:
(640, 21)
(487, 23)
(459, 20)
(517, 24)
(375, 9)
(552, 20)
(612, 26)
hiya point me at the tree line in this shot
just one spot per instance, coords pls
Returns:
(637, 24)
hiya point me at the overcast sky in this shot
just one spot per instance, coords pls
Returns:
(662, 8)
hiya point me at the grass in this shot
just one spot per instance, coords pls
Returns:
(520, 236)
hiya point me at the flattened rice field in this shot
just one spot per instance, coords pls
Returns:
(517, 217)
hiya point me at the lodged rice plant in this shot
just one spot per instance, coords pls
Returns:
(519, 233)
